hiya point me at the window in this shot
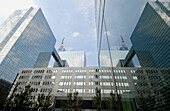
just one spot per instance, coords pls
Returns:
(60, 90)
(32, 97)
(96, 76)
(91, 90)
(90, 77)
(97, 83)
(126, 84)
(135, 77)
(92, 70)
(90, 83)
(60, 83)
(53, 77)
(124, 77)
(35, 89)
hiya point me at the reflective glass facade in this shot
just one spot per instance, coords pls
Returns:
(73, 58)
(23, 36)
(116, 56)
(108, 41)
(150, 38)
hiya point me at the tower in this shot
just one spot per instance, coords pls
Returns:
(23, 36)
(124, 47)
(71, 58)
(150, 38)
(61, 46)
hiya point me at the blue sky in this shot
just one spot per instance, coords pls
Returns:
(75, 20)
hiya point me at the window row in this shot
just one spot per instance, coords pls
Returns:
(143, 92)
(21, 83)
(36, 77)
(34, 83)
(63, 90)
(106, 83)
(46, 90)
(51, 71)
(80, 70)
(119, 71)
(104, 70)
(67, 71)
(66, 77)
(157, 84)
(64, 83)
(136, 71)
(151, 71)
(79, 90)
(79, 77)
(26, 71)
(38, 71)
(122, 84)
(106, 91)
(24, 77)
(154, 77)
(48, 83)
(141, 84)
(50, 77)
(79, 83)
(120, 77)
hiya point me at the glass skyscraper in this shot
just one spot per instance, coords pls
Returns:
(23, 36)
(151, 37)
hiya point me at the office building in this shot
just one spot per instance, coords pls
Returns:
(111, 58)
(23, 36)
(130, 83)
(151, 36)
(71, 58)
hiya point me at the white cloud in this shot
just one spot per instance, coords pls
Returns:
(75, 34)
(7, 7)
